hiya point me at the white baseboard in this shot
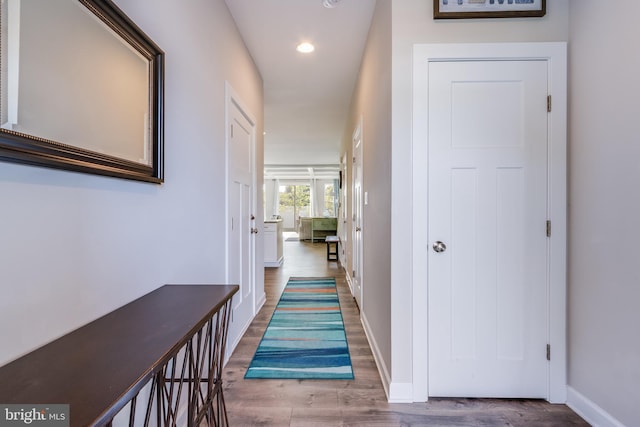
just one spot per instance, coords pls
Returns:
(348, 277)
(400, 393)
(261, 302)
(231, 346)
(277, 263)
(590, 411)
(396, 392)
(377, 356)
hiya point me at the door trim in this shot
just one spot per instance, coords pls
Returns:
(343, 215)
(232, 98)
(357, 136)
(556, 56)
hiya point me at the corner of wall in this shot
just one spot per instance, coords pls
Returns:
(400, 393)
(377, 355)
(589, 410)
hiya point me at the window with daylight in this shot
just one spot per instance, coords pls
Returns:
(330, 200)
(294, 201)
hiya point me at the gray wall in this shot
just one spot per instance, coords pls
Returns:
(372, 101)
(604, 278)
(74, 247)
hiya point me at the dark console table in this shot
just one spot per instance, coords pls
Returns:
(157, 360)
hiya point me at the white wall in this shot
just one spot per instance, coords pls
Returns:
(74, 247)
(413, 23)
(604, 279)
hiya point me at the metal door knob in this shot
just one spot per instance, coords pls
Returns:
(439, 246)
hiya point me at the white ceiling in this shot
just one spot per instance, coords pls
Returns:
(306, 97)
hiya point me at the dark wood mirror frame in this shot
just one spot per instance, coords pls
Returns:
(23, 148)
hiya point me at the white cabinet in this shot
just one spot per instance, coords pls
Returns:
(273, 256)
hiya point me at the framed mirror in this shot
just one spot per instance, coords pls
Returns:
(81, 89)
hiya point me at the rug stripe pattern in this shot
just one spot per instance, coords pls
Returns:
(305, 338)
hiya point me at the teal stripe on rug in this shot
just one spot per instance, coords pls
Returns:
(305, 338)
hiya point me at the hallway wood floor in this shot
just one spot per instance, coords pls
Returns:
(360, 402)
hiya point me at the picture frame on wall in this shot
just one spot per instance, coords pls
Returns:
(470, 9)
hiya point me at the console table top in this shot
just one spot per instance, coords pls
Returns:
(96, 368)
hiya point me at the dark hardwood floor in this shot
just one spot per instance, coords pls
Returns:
(360, 402)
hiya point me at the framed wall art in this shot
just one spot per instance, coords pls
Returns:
(467, 9)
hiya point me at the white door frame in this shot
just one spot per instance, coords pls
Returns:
(342, 218)
(357, 243)
(232, 98)
(556, 56)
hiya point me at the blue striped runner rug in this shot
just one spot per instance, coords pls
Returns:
(305, 338)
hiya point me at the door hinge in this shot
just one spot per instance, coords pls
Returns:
(548, 351)
(548, 228)
(354, 160)
(231, 131)
(548, 103)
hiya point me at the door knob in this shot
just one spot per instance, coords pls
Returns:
(439, 246)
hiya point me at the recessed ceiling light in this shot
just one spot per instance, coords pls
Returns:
(305, 47)
(330, 4)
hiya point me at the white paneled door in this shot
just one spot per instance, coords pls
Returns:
(488, 309)
(241, 218)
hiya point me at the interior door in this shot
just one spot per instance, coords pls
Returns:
(487, 215)
(356, 276)
(242, 225)
(342, 226)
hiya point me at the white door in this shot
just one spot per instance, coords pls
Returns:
(241, 218)
(488, 311)
(342, 217)
(356, 228)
